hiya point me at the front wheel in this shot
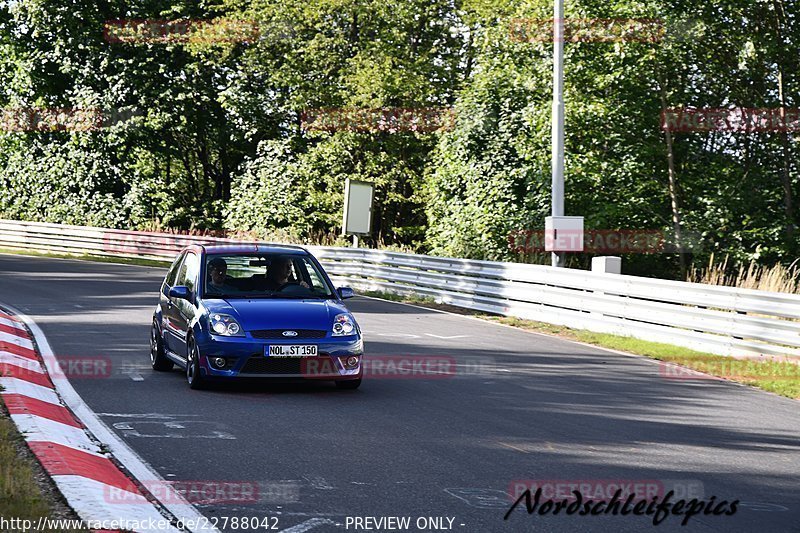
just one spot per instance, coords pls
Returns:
(193, 376)
(350, 384)
(158, 360)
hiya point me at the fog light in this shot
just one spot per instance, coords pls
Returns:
(218, 362)
(352, 361)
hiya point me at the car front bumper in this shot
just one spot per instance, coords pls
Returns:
(245, 358)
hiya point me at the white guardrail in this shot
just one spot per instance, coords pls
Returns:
(721, 320)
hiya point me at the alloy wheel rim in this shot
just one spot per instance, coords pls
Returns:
(190, 363)
(153, 344)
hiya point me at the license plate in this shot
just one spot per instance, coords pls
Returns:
(292, 350)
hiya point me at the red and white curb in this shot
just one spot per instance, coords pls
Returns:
(56, 424)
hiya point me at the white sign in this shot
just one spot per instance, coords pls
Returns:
(357, 207)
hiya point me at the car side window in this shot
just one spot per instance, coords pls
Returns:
(189, 271)
(311, 275)
(293, 271)
(173, 270)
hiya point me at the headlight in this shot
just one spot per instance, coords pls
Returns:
(344, 325)
(224, 325)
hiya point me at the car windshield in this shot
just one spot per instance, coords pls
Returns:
(264, 275)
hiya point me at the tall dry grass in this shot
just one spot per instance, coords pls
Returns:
(774, 278)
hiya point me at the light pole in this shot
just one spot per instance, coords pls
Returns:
(557, 192)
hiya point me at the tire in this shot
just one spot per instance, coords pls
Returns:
(194, 378)
(351, 384)
(158, 359)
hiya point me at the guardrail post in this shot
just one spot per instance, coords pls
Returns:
(607, 264)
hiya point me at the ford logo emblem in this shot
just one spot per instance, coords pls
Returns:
(290, 334)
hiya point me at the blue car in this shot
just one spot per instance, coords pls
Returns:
(254, 311)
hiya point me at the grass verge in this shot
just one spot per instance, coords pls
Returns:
(86, 257)
(778, 377)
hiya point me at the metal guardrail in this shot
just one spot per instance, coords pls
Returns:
(721, 320)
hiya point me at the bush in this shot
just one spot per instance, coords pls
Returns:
(68, 182)
(267, 196)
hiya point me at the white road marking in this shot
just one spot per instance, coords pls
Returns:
(482, 498)
(282, 513)
(144, 415)
(136, 377)
(319, 482)
(309, 525)
(511, 446)
(413, 336)
(760, 506)
(133, 429)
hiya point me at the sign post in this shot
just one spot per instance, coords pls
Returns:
(557, 191)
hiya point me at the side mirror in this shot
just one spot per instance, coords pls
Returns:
(345, 292)
(180, 292)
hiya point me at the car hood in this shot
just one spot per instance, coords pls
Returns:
(278, 313)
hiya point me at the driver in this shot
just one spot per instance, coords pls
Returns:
(278, 274)
(217, 269)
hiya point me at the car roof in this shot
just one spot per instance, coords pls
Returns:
(219, 249)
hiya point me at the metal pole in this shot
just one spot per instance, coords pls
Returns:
(558, 120)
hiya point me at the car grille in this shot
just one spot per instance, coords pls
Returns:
(258, 364)
(278, 333)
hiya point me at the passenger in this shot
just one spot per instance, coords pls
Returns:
(278, 274)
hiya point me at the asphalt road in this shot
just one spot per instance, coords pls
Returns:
(519, 406)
